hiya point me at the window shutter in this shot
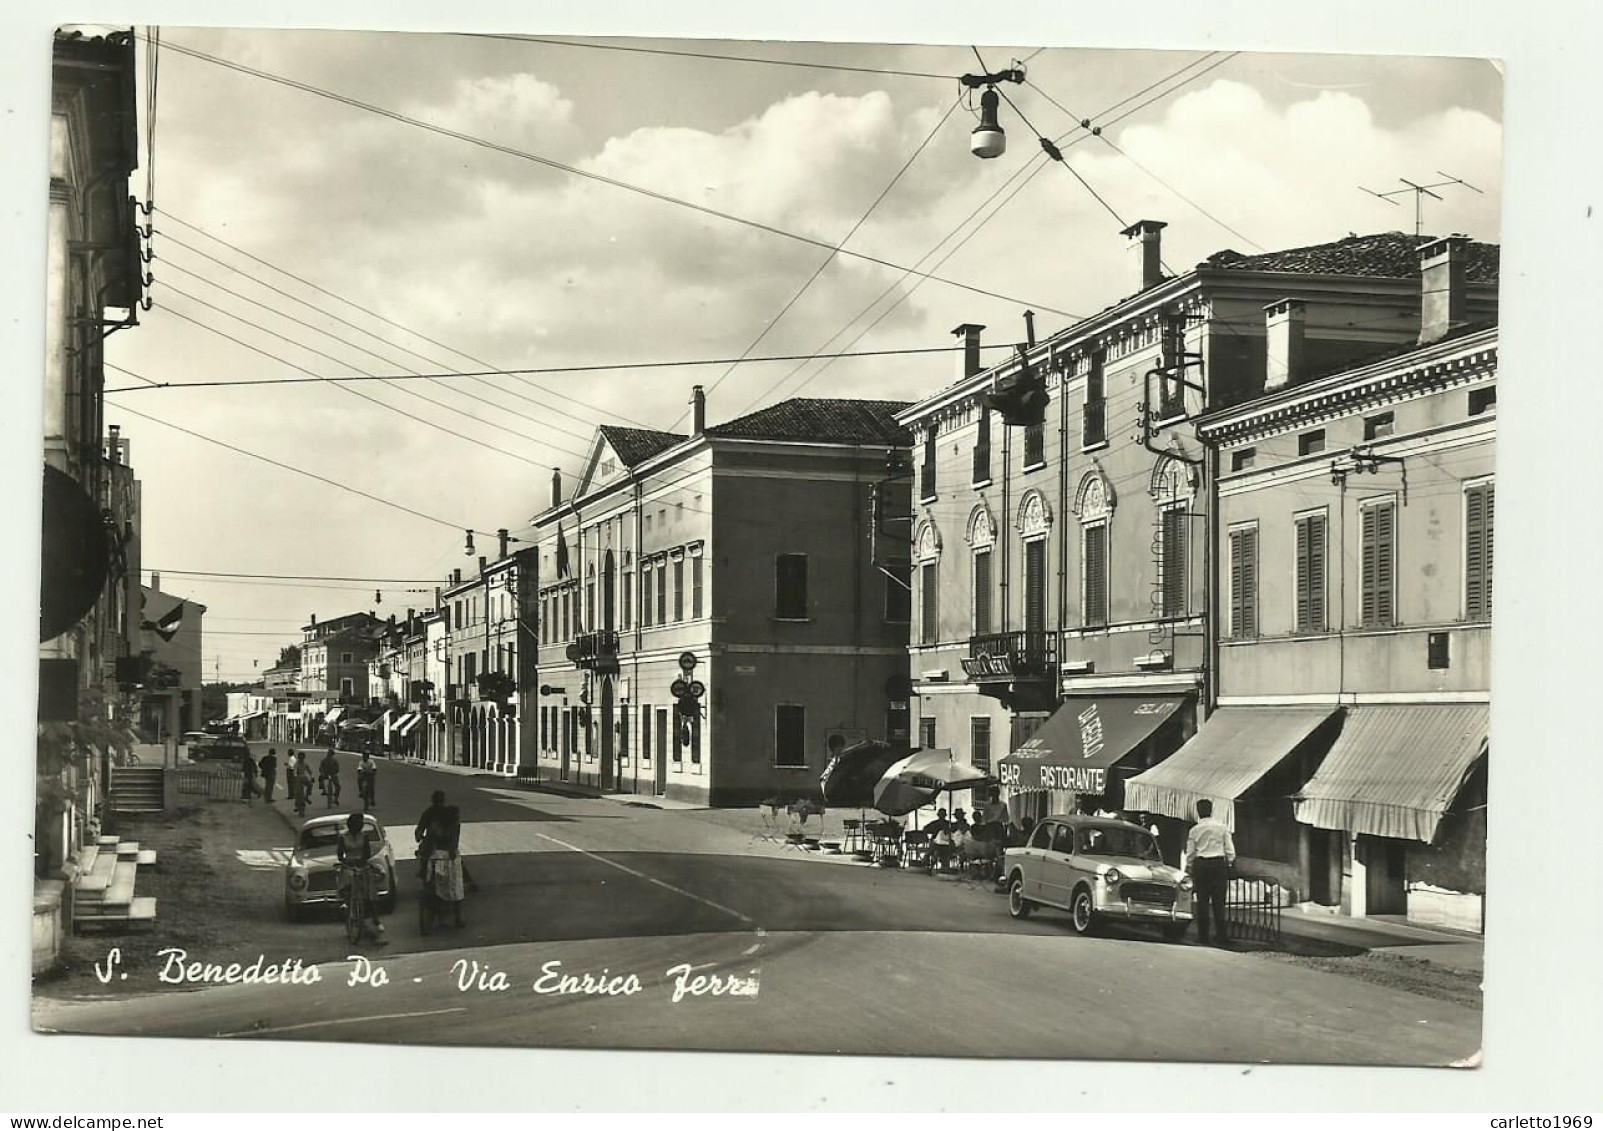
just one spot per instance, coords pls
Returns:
(1174, 562)
(982, 447)
(1316, 573)
(1478, 552)
(1096, 579)
(982, 592)
(929, 629)
(1244, 583)
(1491, 499)
(1385, 563)
(1035, 586)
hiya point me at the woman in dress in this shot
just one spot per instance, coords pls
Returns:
(247, 777)
(444, 871)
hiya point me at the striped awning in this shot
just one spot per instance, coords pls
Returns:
(1394, 770)
(1225, 758)
(333, 715)
(405, 723)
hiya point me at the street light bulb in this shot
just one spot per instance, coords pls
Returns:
(988, 140)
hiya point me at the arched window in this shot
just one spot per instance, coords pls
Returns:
(981, 537)
(1094, 503)
(926, 557)
(609, 580)
(1034, 524)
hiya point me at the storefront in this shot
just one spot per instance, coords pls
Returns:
(1400, 787)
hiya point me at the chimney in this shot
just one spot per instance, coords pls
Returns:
(456, 577)
(155, 581)
(482, 563)
(1029, 327)
(502, 537)
(1148, 249)
(556, 487)
(1443, 288)
(968, 361)
(698, 411)
(1283, 338)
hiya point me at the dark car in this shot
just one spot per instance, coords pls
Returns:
(226, 747)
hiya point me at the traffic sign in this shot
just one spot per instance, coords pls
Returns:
(679, 689)
(697, 688)
(687, 662)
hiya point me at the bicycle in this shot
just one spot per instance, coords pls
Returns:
(331, 791)
(368, 785)
(357, 925)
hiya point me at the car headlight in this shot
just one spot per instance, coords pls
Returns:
(1185, 883)
(1111, 877)
(297, 881)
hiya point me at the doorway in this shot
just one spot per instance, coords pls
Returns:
(607, 734)
(1385, 885)
(1322, 863)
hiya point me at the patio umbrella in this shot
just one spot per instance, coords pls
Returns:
(851, 775)
(916, 780)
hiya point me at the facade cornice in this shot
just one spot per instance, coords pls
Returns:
(1428, 369)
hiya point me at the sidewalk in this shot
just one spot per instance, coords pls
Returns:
(1382, 936)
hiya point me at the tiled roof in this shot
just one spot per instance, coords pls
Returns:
(636, 445)
(1389, 255)
(824, 420)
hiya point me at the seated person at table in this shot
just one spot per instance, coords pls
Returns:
(940, 834)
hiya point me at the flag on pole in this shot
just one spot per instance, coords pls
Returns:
(167, 626)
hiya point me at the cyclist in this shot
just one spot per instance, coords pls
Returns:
(367, 780)
(303, 783)
(328, 776)
(358, 867)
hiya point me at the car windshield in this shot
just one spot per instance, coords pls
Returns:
(320, 838)
(1118, 842)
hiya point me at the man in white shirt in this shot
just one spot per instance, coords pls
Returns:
(1210, 852)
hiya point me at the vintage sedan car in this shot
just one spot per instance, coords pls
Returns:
(1098, 869)
(311, 877)
(207, 747)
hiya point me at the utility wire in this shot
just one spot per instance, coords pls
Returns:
(297, 470)
(830, 258)
(484, 365)
(347, 379)
(289, 576)
(599, 178)
(707, 55)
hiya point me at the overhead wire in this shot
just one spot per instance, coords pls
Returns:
(585, 174)
(706, 55)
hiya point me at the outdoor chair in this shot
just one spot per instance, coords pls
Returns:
(916, 849)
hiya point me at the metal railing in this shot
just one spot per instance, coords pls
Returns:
(1252, 908)
(1011, 655)
(219, 782)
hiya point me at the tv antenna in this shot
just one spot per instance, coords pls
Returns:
(1420, 192)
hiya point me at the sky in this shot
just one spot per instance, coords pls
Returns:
(340, 240)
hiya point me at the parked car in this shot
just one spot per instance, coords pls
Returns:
(311, 876)
(1098, 869)
(205, 748)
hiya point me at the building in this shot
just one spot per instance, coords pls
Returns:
(1354, 513)
(172, 645)
(432, 730)
(248, 713)
(334, 661)
(1063, 564)
(281, 684)
(94, 285)
(713, 616)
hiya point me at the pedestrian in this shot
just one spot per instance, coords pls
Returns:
(247, 775)
(303, 783)
(289, 772)
(269, 769)
(1210, 852)
(328, 776)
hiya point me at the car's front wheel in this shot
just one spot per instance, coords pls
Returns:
(1017, 905)
(1083, 912)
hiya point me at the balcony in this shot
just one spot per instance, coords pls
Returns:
(595, 651)
(1009, 657)
(1094, 423)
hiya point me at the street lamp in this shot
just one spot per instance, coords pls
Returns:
(989, 139)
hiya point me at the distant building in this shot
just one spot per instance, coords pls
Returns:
(172, 640)
(712, 618)
(334, 661)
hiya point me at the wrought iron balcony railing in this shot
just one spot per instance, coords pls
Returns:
(999, 656)
(595, 651)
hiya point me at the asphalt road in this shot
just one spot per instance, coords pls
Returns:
(794, 954)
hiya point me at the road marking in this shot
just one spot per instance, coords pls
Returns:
(343, 1021)
(746, 919)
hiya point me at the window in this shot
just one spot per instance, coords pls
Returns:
(1438, 652)
(929, 622)
(1243, 458)
(1172, 561)
(567, 622)
(645, 733)
(679, 736)
(695, 586)
(458, 608)
(590, 602)
(470, 668)
(1482, 401)
(1244, 583)
(898, 594)
(1042, 836)
(662, 592)
(545, 619)
(979, 732)
(645, 595)
(790, 735)
(1311, 443)
(1035, 586)
(1478, 507)
(1310, 573)
(926, 733)
(982, 447)
(678, 590)
(1095, 413)
(628, 597)
(982, 592)
(695, 740)
(648, 524)
(347, 689)
(1377, 565)
(345, 657)
(1034, 445)
(790, 587)
(1379, 425)
(662, 734)
(926, 477)
(1094, 563)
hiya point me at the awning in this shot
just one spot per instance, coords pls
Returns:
(405, 723)
(1393, 771)
(1225, 758)
(333, 715)
(1074, 748)
(384, 721)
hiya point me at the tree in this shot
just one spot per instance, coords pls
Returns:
(289, 656)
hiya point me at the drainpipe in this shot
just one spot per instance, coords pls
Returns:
(1062, 516)
(1007, 523)
(1212, 556)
